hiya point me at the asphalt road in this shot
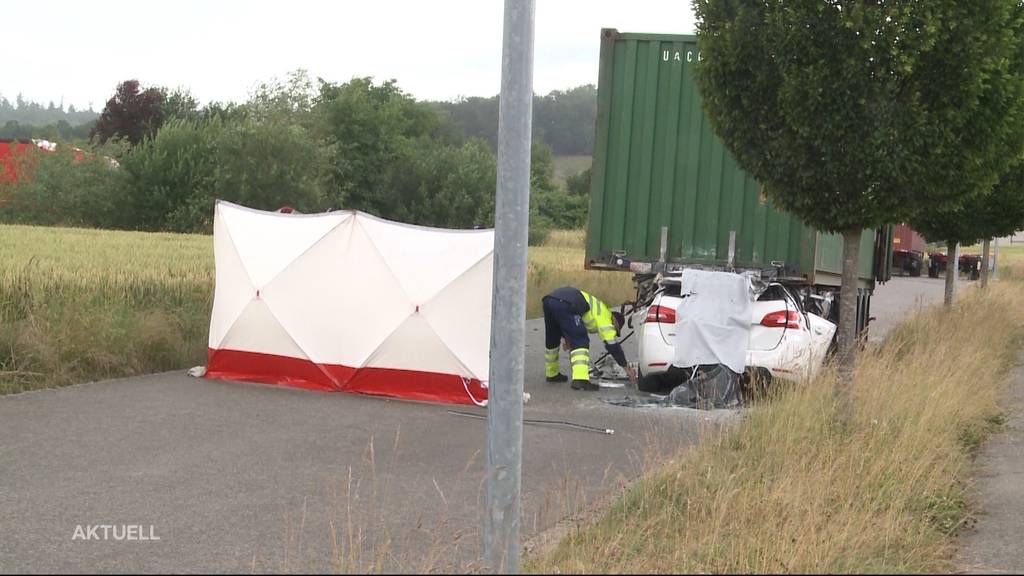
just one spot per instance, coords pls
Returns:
(237, 477)
(901, 295)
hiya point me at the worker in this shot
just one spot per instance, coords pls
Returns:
(569, 315)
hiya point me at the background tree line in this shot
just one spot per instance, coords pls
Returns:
(563, 120)
(156, 160)
(27, 119)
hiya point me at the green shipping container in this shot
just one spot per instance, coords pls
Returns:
(658, 165)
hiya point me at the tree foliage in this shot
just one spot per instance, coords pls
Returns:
(445, 186)
(999, 212)
(857, 114)
(169, 171)
(179, 104)
(131, 113)
(563, 119)
(175, 179)
(369, 127)
(853, 114)
(551, 207)
(312, 146)
(67, 188)
(579, 184)
(29, 113)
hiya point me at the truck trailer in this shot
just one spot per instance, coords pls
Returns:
(666, 194)
(908, 248)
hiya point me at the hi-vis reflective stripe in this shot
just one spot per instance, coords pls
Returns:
(580, 356)
(551, 354)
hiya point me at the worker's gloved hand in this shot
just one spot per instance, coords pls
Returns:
(631, 373)
(565, 344)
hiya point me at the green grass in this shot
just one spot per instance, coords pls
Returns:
(790, 490)
(82, 305)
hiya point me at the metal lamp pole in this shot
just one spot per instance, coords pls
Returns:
(508, 312)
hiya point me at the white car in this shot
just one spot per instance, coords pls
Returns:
(786, 341)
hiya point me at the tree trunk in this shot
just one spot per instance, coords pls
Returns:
(952, 271)
(995, 259)
(847, 331)
(984, 264)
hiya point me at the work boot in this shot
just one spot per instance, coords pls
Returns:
(585, 385)
(558, 378)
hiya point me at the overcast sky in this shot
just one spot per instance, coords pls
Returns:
(219, 49)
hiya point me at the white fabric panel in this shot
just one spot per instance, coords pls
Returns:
(415, 346)
(267, 242)
(467, 335)
(339, 301)
(343, 288)
(713, 320)
(426, 260)
(233, 290)
(257, 330)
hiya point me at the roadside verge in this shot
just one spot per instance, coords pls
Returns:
(790, 491)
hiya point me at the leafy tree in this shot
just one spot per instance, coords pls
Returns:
(551, 207)
(474, 117)
(171, 171)
(225, 112)
(12, 130)
(179, 104)
(563, 120)
(999, 212)
(446, 186)
(176, 177)
(132, 113)
(289, 100)
(369, 128)
(68, 188)
(263, 165)
(579, 184)
(853, 114)
(28, 113)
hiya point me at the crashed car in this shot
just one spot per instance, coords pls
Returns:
(785, 339)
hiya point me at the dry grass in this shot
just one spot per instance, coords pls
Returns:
(789, 490)
(559, 262)
(79, 305)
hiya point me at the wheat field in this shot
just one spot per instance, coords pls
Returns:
(78, 305)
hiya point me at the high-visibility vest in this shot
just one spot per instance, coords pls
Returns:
(598, 319)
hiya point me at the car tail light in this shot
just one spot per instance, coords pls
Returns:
(781, 319)
(661, 314)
